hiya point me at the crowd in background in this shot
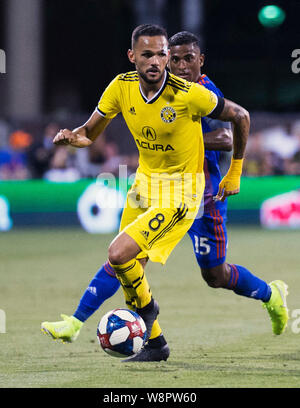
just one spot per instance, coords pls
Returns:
(28, 152)
(25, 155)
(274, 151)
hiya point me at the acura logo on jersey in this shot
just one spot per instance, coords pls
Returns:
(168, 114)
(153, 146)
(149, 133)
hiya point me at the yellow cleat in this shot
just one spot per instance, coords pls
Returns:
(66, 330)
(277, 306)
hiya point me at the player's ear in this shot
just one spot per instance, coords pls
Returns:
(168, 63)
(130, 55)
(202, 59)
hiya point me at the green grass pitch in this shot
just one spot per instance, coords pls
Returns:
(217, 339)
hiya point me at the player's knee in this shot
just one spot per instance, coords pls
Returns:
(214, 277)
(116, 254)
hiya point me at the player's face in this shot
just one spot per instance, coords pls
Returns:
(186, 61)
(150, 56)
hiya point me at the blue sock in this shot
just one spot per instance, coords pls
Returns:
(243, 283)
(103, 286)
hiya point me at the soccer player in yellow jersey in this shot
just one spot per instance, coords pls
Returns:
(163, 113)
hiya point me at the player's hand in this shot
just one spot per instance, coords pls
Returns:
(67, 137)
(227, 187)
(64, 137)
(230, 184)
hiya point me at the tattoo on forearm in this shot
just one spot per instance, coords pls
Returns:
(239, 117)
(241, 130)
(237, 114)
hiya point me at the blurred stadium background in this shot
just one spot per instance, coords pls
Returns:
(59, 56)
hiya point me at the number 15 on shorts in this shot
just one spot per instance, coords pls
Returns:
(201, 245)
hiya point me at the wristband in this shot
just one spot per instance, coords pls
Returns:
(236, 167)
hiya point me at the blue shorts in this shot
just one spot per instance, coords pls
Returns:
(209, 237)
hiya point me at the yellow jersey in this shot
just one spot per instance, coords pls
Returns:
(166, 129)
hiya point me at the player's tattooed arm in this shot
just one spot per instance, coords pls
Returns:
(84, 135)
(240, 119)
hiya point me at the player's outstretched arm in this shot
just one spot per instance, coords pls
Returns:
(84, 135)
(240, 119)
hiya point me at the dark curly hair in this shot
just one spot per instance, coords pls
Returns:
(184, 37)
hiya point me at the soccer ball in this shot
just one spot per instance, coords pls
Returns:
(121, 332)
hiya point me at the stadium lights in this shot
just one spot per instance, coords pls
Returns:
(271, 16)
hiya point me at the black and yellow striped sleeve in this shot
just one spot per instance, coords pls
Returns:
(218, 109)
(201, 101)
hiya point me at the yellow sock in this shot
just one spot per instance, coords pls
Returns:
(130, 301)
(135, 285)
(134, 282)
(156, 330)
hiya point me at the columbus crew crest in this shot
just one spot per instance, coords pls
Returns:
(168, 114)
